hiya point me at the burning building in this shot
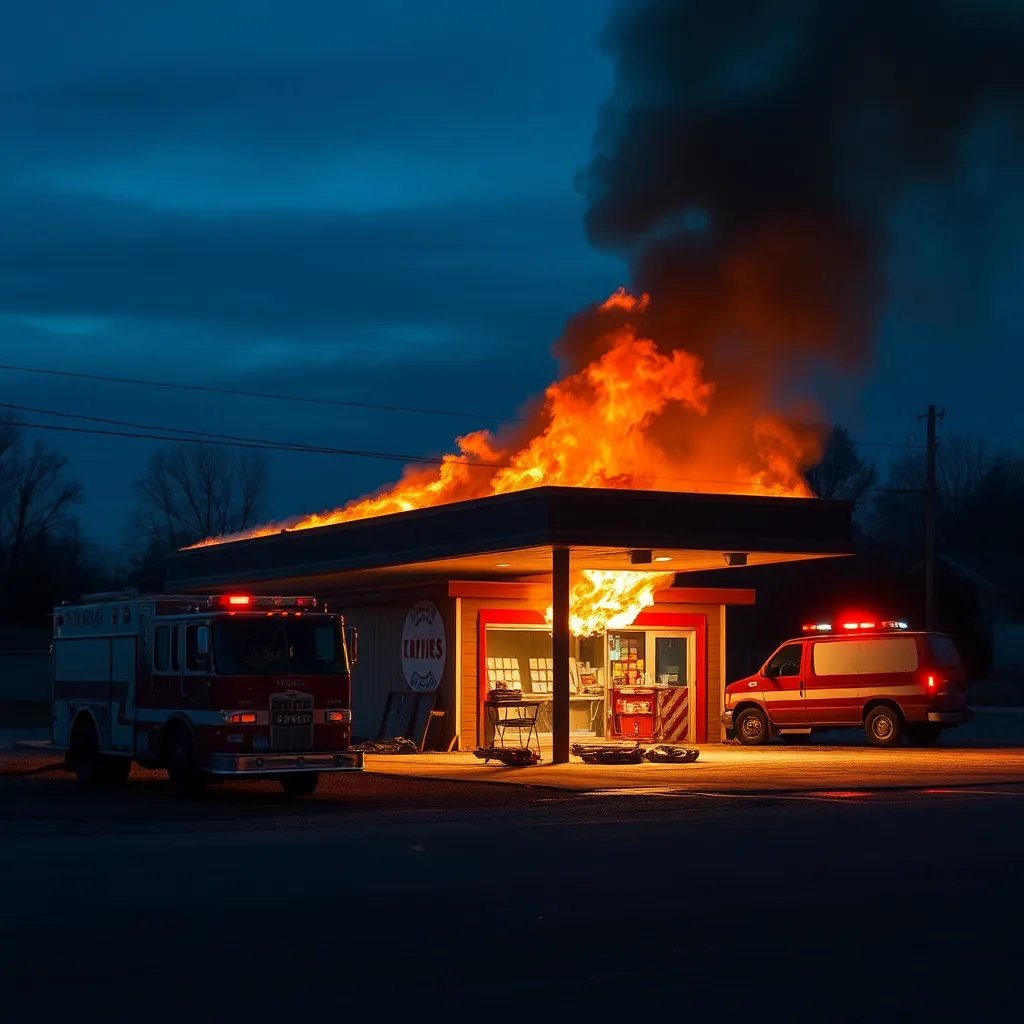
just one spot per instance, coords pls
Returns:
(746, 169)
(573, 597)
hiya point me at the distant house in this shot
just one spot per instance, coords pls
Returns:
(24, 664)
(995, 602)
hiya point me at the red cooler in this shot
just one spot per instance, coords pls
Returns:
(633, 713)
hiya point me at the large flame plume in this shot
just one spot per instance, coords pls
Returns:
(609, 599)
(605, 425)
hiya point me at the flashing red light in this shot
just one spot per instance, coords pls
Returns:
(857, 626)
(931, 682)
(236, 599)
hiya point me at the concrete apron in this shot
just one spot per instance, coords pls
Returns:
(729, 769)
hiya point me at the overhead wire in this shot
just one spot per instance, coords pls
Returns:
(272, 396)
(177, 434)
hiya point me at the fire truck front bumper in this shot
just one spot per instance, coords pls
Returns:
(280, 764)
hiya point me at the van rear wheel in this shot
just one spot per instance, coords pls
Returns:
(752, 727)
(883, 726)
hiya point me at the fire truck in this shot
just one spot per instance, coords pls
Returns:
(210, 688)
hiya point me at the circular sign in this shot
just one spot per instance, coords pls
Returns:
(423, 647)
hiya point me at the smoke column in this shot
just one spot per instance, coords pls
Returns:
(749, 156)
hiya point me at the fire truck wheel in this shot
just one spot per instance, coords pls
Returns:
(301, 783)
(91, 767)
(752, 727)
(182, 765)
(883, 726)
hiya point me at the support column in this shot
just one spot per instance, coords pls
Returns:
(560, 654)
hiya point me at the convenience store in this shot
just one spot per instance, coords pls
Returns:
(460, 599)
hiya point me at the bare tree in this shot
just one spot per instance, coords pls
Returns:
(36, 496)
(842, 472)
(191, 492)
(961, 464)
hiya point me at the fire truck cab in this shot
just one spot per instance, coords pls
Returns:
(876, 676)
(209, 688)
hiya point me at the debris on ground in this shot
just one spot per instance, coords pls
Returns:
(603, 753)
(399, 745)
(598, 753)
(666, 754)
(511, 757)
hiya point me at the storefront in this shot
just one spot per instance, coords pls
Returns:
(456, 603)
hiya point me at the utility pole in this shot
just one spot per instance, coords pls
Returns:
(930, 510)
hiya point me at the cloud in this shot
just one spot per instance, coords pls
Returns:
(288, 273)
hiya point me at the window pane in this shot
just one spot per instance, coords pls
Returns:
(896, 655)
(670, 660)
(161, 648)
(787, 661)
(175, 656)
(192, 660)
(835, 658)
(943, 652)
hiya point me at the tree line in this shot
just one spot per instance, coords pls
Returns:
(979, 502)
(187, 492)
(191, 491)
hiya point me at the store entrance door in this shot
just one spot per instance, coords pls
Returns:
(672, 658)
(652, 684)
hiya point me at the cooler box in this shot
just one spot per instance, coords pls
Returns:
(633, 713)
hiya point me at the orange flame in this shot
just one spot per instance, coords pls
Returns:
(596, 430)
(609, 599)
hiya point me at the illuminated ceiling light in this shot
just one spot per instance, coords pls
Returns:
(663, 558)
(503, 565)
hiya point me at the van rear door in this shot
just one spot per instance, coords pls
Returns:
(942, 660)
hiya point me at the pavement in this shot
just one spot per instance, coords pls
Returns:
(987, 751)
(390, 898)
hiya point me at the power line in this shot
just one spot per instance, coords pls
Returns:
(989, 430)
(272, 396)
(146, 432)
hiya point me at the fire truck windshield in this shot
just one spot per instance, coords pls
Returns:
(277, 646)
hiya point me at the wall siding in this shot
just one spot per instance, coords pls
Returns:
(379, 669)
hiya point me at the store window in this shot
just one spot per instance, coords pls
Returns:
(522, 659)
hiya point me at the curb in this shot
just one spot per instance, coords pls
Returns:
(41, 769)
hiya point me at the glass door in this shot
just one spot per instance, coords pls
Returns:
(671, 655)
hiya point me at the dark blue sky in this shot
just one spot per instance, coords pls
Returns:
(376, 203)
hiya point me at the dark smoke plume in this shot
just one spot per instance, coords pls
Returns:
(752, 150)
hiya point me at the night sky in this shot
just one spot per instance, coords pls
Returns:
(376, 203)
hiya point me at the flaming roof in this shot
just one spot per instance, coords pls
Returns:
(512, 535)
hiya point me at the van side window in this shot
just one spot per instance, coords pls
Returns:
(175, 656)
(161, 649)
(786, 661)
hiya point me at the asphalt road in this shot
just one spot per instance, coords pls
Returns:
(393, 898)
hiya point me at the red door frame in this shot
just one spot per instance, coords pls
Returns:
(645, 620)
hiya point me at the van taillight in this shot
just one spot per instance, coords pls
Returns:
(931, 682)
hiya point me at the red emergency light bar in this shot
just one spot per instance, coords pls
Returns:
(251, 601)
(857, 626)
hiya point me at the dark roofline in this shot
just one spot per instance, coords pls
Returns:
(542, 516)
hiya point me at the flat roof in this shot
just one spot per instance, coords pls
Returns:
(513, 535)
